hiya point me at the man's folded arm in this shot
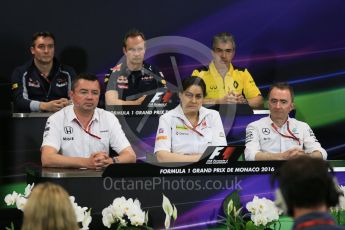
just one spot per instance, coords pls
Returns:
(51, 158)
(127, 155)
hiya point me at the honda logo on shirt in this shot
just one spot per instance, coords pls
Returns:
(68, 129)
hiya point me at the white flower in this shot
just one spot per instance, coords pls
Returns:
(127, 206)
(121, 208)
(174, 215)
(167, 221)
(237, 212)
(259, 219)
(20, 202)
(146, 217)
(118, 207)
(83, 216)
(167, 207)
(72, 199)
(230, 207)
(263, 211)
(123, 222)
(134, 212)
(86, 221)
(28, 190)
(341, 205)
(168, 210)
(10, 199)
(107, 217)
(136, 216)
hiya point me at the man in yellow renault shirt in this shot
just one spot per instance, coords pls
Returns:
(225, 83)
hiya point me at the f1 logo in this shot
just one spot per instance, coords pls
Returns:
(156, 97)
(216, 152)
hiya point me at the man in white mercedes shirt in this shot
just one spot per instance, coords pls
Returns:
(279, 137)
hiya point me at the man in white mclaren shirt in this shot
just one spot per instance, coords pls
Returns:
(279, 137)
(79, 135)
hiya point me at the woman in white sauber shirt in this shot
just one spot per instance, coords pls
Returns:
(185, 132)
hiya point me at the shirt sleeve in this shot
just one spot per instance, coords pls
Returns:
(252, 143)
(250, 88)
(112, 84)
(118, 139)
(163, 137)
(71, 76)
(311, 143)
(20, 94)
(196, 73)
(52, 134)
(218, 137)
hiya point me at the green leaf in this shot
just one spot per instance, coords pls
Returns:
(251, 226)
(12, 227)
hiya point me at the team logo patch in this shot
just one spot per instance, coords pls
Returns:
(181, 127)
(213, 87)
(294, 130)
(61, 82)
(249, 136)
(147, 78)
(116, 68)
(122, 86)
(311, 133)
(122, 80)
(33, 83)
(181, 133)
(15, 85)
(68, 129)
(266, 131)
(161, 138)
(235, 84)
(161, 130)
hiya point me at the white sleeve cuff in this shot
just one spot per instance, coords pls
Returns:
(35, 106)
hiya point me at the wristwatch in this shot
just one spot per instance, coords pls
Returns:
(116, 160)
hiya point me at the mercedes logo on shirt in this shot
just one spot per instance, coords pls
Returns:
(266, 131)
